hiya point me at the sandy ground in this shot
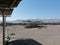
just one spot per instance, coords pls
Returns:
(46, 36)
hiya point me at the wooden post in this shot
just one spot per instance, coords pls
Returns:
(5, 20)
(3, 27)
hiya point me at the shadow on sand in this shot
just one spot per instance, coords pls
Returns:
(24, 42)
(39, 27)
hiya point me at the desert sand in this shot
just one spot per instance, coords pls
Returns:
(46, 36)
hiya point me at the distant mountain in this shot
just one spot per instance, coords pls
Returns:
(51, 20)
(40, 20)
(15, 21)
(47, 20)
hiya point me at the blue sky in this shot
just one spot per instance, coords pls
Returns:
(36, 9)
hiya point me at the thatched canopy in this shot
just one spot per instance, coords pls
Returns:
(8, 5)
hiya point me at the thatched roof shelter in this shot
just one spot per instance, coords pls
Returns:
(8, 5)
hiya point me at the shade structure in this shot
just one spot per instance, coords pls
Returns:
(6, 8)
(9, 3)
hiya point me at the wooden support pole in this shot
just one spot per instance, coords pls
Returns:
(3, 27)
